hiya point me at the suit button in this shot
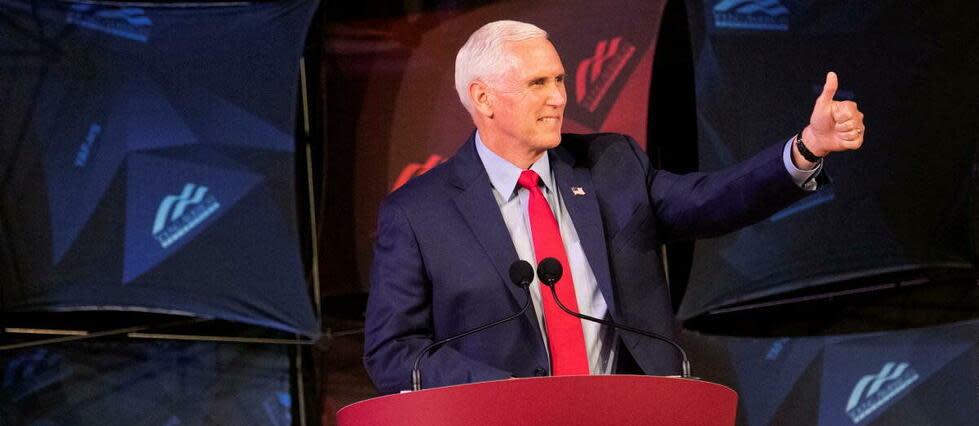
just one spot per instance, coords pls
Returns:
(540, 372)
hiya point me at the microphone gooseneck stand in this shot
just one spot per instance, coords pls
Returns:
(550, 270)
(521, 274)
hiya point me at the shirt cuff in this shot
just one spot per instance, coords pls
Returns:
(805, 179)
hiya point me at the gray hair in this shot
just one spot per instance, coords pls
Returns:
(484, 56)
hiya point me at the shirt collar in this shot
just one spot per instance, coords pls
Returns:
(503, 174)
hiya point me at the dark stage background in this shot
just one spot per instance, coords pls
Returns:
(149, 167)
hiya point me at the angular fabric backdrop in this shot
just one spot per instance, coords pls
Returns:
(909, 377)
(904, 203)
(146, 383)
(147, 160)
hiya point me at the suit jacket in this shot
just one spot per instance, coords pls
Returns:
(443, 253)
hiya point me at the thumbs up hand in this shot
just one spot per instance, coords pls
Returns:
(834, 126)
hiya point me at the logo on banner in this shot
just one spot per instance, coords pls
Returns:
(596, 74)
(874, 390)
(277, 410)
(85, 151)
(751, 15)
(126, 22)
(416, 169)
(776, 349)
(179, 214)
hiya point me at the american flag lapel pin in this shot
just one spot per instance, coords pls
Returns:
(577, 190)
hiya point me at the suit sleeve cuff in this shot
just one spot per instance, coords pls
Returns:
(805, 179)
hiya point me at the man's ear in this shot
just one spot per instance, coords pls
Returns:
(480, 97)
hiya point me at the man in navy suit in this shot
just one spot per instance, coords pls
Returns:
(446, 239)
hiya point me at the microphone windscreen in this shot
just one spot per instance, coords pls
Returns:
(521, 273)
(549, 271)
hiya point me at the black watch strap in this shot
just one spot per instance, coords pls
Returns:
(806, 153)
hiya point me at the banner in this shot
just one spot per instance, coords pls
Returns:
(146, 383)
(903, 205)
(912, 376)
(147, 160)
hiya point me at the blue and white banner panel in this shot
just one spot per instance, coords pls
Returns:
(158, 383)
(147, 159)
(905, 204)
(919, 376)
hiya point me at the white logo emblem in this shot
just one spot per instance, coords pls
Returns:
(178, 214)
(874, 390)
(751, 14)
(126, 22)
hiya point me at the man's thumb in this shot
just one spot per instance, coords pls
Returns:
(829, 88)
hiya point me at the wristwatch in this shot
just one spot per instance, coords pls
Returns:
(806, 153)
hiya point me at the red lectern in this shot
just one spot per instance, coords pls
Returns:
(565, 400)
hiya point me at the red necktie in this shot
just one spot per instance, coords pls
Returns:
(564, 334)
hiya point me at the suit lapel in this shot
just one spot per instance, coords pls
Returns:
(586, 216)
(477, 205)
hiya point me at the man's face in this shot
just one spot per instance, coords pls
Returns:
(530, 98)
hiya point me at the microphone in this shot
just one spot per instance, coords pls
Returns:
(521, 274)
(550, 270)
